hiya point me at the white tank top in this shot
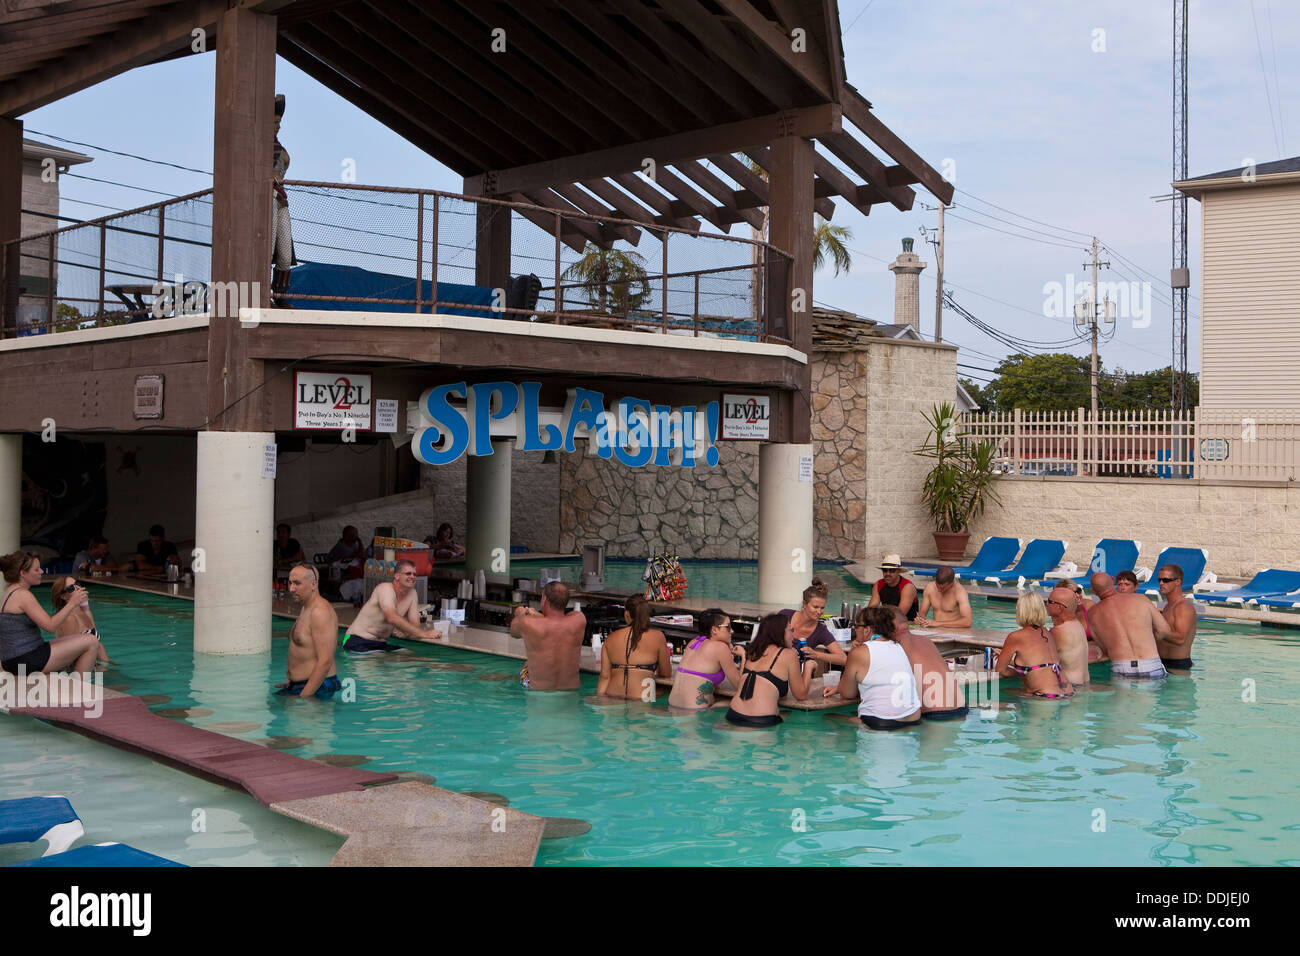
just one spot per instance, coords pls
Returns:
(888, 690)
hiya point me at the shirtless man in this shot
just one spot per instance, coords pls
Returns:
(552, 640)
(1068, 633)
(311, 669)
(941, 696)
(1127, 626)
(948, 599)
(392, 607)
(1180, 615)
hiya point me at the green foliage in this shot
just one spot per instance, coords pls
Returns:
(960, 484)
(1061, 382)
(613, 280)
(831, 241)
(977, 393)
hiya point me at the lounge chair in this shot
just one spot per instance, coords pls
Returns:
(40, 818)
(1041, 555)
(1112, 555)
(1191, 560)
(1288, 601)
(102, 854)
(1271, 583)
(995, 554)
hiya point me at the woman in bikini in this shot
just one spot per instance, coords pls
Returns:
(770, 671)
(1031, 654)
(706, 663)
(638, 652)
(79, 620)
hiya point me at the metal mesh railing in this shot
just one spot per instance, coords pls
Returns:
(417, 250)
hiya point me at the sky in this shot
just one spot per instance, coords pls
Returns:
(1052, 118)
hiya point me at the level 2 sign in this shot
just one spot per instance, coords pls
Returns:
(746, 417)
(331, 401)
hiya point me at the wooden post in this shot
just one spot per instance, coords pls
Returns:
(241, 215)
(695, 322)
(559, 295)
(791, 230)
(664, 303)
(162, 236)
(49, 285)
(103, 262)
(11, 220)
(492, 248)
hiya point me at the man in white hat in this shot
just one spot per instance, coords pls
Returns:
(893, 589)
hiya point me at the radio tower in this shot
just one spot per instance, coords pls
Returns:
(1179, 279)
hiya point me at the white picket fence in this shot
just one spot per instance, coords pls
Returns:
(1218, 443)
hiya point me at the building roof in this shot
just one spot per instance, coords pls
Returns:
(34, 151)
(1278, 171)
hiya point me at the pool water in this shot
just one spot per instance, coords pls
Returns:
(1199, 770)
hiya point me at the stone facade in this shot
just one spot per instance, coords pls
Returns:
(697, 512)
(839, 430)
(1244, 527)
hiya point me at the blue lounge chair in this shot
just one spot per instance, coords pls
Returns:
(102, 854)
(1267, 584)
(995, 554)
(1041, 555)
(1191, 560)
(1111, 556)
(40, 818)
(1288, 601)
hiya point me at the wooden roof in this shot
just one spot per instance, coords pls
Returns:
(555, 102)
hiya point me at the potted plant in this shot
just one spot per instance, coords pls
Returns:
(959, 485)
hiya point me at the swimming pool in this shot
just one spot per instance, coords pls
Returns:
(1185, 773)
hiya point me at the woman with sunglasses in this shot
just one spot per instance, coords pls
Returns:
(22, 619)
(80, 621)
(706, 663)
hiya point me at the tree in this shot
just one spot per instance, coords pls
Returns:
(613, 280)
(831, 241)
(976, 392)
(1054, 381)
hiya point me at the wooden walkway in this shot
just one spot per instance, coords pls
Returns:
(270, 776)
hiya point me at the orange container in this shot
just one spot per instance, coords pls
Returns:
(422, 557)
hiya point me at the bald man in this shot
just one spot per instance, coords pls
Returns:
(1127, 625)
(1067, 632)
(311, 671)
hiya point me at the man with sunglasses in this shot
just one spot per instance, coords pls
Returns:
(392, 607)
(1068, 634)
(1127, 626)
(1180, 614)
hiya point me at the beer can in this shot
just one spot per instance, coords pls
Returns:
(988, 658)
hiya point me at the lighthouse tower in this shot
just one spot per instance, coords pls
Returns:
(907, 287)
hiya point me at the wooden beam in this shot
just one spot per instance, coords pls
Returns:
(337, 56)
(829, 181)
(11, 220)
(696, 201)
(791, 229)
(685, 56)
(459, 98)
(581, 200)
(719, 190)
(858, 158)
(630, 208)
(550, 200)
(524, 44)
(570, 125)
(650, 98)
(241, 211)
(672, 212)
(858, 111)
(132, 46)
(808, 122)
(360, 98)
(747, 178)
(900, 176)
(570, 237)
(804, 65)
(718, 41)
(699, 100)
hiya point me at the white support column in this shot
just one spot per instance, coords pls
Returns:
(785, 524)
(487, 482)
(11, 492)
(234, 518)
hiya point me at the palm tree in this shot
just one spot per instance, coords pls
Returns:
(611, 276)
(832, 241)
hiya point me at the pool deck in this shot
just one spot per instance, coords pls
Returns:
(386, 822)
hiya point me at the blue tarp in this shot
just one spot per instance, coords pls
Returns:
(319, 278)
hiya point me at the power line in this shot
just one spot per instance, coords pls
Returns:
(1268, 94)
(1038, 222)
(115, 152)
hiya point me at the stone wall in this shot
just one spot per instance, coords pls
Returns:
(839, 429)
(903, 380)
(1245, 527)
(699, 512)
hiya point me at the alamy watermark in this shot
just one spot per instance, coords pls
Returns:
(1129, 301)
(52, 690)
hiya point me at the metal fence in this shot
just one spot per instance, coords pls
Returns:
(1209, 443)
(584, 270)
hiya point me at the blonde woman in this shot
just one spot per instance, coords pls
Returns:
(80, 621)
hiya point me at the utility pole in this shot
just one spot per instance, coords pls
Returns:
(1090, 315)
(938, 292)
